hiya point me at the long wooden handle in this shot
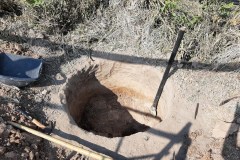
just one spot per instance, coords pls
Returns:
(82, 151)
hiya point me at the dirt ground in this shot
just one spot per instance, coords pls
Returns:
(201, 115)
(212, 135)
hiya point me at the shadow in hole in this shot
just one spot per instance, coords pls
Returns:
(149, 115)
(180, 137)
(96, 108)
(231, 147)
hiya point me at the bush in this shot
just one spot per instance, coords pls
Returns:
(62, 16)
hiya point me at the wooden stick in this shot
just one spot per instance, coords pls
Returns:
(82, 151)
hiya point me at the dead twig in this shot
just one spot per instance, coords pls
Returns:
(228, 100)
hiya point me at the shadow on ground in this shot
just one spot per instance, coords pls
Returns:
(56, 62)
(53, 63)
(231, 147)
(180, 137)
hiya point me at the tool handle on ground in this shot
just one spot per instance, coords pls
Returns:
(170, 62)
(39, 124)
(83, 151)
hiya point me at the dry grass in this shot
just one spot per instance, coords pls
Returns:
(137, 26)
(63, 16)
(9, 7)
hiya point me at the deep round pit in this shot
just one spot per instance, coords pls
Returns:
(102, 102)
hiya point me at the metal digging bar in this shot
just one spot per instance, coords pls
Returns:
(153, 108)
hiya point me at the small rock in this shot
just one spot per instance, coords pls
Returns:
(12, 135)
(21, 119)
(27, 149)
(31, 155)
(24, 155)
(2, 128)
(146, 138)
(38, 99)
(8, 144)
(34, 146)
(2, 150)
(14, 140)
(18, 47)
(11, 105)
(13, 118)
(44, 92)
(18, 134)
(59, 77)
(39, 35)
(37, 155)
(11, 155)
(17, 141)
(11, 140)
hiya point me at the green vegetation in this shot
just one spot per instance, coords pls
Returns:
(35, 2)
(225, 9)
(179, 17)
(209, 23)
(144, 26)
(175, 13)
